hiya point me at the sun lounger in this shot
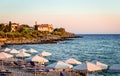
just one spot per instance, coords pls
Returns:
(4, 72)
(50, 70)
(58, 70)
(67, 70)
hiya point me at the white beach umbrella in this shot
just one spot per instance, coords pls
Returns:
(13, 51)
(4, 55)
(59, 65)
(31, 50)
(7, 49)
(23, 54)
(87, 67)
(37, 58)
(44, 53)
(23, 50)
(72, 61)
(115, 68)
(101, 65)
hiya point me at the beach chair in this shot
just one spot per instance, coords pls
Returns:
(50, 70)
(16, 64)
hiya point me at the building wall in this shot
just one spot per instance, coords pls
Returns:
(45, 27)
(14, 27)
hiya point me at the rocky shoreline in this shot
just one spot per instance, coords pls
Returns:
(50, 40)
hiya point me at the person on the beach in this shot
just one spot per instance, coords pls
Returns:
(61, 74)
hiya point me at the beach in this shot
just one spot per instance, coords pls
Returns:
(103, 48)
(60, 38)
(17, 71)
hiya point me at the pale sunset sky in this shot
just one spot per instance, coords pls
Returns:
(77, 16)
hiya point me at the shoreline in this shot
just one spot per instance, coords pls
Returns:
(52, 40)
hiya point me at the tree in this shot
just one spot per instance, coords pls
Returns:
(10, 34)
(10, 26)
(36, 27)
(25, 25)
(2, 27)
(59, 30)
(2, 34)
(6, 28)
(21, 29)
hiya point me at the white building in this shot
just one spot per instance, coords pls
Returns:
(14, 27)
(44, 27)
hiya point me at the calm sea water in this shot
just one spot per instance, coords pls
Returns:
(103, 48)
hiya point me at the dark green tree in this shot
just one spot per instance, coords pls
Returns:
(59, 31)
(21, 29)
(25, 25)
(2, 34)
(10, 26)
(36, 27)
(2, 27)
(6, 28)
(62, 30)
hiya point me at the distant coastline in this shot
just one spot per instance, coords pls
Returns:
(38, 41)
(49, 40)
(17, 34)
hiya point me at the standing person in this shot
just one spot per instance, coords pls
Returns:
(61, 74)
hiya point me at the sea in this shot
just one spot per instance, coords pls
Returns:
(91, 47)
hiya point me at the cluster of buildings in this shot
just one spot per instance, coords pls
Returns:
(14, 26)
(41, 27)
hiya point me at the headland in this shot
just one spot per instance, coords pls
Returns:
(17, 34)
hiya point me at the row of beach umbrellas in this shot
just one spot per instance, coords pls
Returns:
(87, 66)
(44, 53)
(14, 51)
(36, 58)
(84, 67)
(8, 53)
(60, 64)
(25, 53)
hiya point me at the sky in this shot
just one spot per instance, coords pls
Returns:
(76, 16)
